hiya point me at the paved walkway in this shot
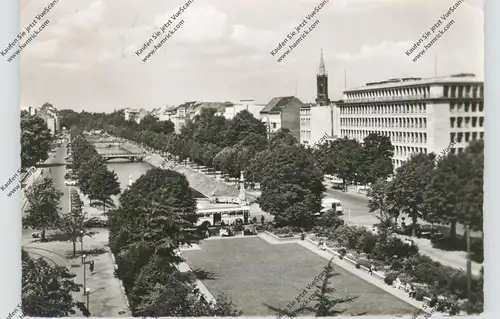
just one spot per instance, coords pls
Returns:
(363, 274)
(184, 267)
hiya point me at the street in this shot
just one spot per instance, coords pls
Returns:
(357, 204)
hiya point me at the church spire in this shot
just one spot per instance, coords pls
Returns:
(322, 70)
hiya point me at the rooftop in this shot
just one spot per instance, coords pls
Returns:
(277, 103)
(400, 82)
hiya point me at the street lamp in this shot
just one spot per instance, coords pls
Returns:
(87, 292)
(84, 274)
(81, 244)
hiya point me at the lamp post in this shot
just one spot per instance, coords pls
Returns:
(84, 273)
(81, 244)
(469, 272)
(87, 292)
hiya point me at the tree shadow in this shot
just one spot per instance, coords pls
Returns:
(58, 237)
(199, 274)
(87, 252)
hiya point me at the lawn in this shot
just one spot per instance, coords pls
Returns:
(252, 272)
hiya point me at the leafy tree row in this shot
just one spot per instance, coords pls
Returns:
(448, 190)
(291, 181)
(94, 178)
(352, 161)
(157, 215)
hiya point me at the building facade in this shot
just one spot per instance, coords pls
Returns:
(50, 114)
(135, 114)
(418, 115)
(248, 105)
(30, 109)
(282, 112)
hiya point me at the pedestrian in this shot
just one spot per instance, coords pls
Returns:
(262, 220)
(302, 235)
(370, 269)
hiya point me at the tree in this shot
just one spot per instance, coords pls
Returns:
(341, 158)
(73, 222)
(47, 291)
(410, 183)
(35, 140)
(242, 125)
(282, 137)
(102, 185)
(321, 303)
(441, 199)
(291, 186)
(43, 212)
(377, 152)
(471, 194)
(209, 128)
(380, 194)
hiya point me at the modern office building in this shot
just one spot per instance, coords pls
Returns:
(419, 115)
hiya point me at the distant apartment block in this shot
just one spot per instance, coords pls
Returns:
(248, 105)
(418, 115)
(282, 112)
(50, 114)
(30, 109)
(135, 114)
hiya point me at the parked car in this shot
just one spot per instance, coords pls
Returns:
(95, 222)
(70, 182)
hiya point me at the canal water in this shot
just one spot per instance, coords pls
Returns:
(126, 169)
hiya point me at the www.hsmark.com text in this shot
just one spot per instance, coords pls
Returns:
(299, 33)
(33, 29)
(163, 34)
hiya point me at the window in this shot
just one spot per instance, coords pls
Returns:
(274, 125)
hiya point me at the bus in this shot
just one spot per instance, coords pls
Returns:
(228, 215)
(331, 203)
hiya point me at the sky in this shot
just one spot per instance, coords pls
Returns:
(85, 59)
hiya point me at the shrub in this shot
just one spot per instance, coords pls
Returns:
(396, 265)
(238, 227)
(368, 243)
(283, 230)
(420, 294)
(342, 252)
(358, 265)
(389, 278)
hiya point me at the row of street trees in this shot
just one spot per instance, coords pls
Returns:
(157, 215)
(94, 178)
(448, 190)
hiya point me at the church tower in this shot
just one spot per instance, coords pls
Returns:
(322, 83)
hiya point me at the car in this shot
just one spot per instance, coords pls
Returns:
(95, 222)
(70, 182)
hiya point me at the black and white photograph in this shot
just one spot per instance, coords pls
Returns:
(222, 158)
